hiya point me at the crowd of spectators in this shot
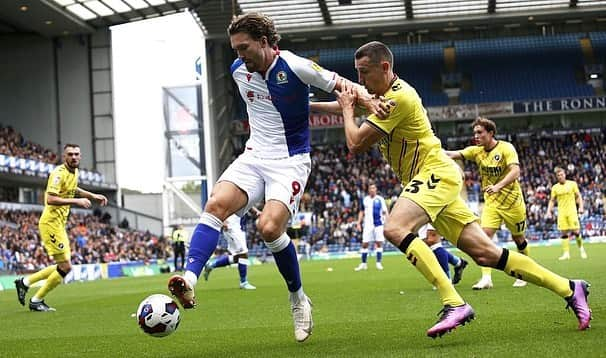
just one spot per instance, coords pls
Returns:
(339, 181)
(92, 240)
(12, 143)
(332, 201)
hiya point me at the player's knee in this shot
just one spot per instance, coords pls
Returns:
(216, 208)
(393, 233)
(269, 229)
(65, 267)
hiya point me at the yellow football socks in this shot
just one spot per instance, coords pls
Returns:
(525, 268)
(423, 259)
(41, 275)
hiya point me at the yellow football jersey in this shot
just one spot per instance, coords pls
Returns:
(565, 194)
(493, 166)
(61, 183)
(408, 138)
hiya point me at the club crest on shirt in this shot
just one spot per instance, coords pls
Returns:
(497, 157)
(248, 76)
(281, 77)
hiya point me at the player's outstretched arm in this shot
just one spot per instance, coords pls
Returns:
(327, 107)
(52, 199)
(512, 175)
(453, 154)
(101, 199)
(359, 139)
(550, 206)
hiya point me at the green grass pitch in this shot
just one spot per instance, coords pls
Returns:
(356, 314)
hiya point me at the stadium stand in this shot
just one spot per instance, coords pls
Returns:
(339, 179)
(13, 144)
(92, 240)
(529, 67)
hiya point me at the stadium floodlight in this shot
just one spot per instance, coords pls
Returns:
(591, 2)
(430, 8)
(530, 5)
(136, 4)
(81, 12)
(306, 12)
(366, 11)
(117, 5)
(64, 2)
(99, 8)
(156, 2)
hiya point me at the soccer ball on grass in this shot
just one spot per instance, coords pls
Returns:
(158, 315)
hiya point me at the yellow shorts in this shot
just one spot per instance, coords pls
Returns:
(514, 218)
(436, 189)
(568, 222)
(55, 242)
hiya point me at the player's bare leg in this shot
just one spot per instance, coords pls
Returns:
(405, 218)
(272, 225)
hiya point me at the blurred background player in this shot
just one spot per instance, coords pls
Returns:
(61, 191)
(178, 238)
(568, 196)
(503, 200)
(434, 240)
(373, 215)
(238, 251)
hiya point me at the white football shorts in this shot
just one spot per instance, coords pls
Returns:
(423, 230)
(373, 233)
(235, 237)
(280, 179)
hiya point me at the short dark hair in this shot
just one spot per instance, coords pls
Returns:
(376, 52)
(256, 25)
(486, 123)
(71, 145)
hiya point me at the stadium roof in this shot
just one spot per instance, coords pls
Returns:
(294, 17)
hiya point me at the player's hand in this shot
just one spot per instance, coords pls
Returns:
(359, 227)
(346, 97)
(379, 106)
(101, 199)
(548, 216)
(492, 189)
(581, 211)
(84, 202)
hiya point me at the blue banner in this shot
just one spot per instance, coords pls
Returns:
(22, 166)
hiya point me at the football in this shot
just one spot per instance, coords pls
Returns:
(158, 315)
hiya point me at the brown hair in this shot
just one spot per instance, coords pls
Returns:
(71, 145)
(486, 123)
(376, 52)
(256, 25)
